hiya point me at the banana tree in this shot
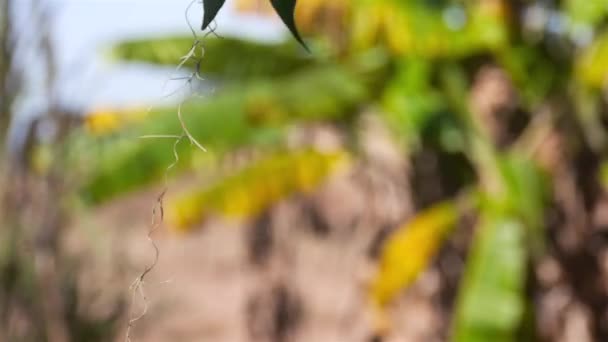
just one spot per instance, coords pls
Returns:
(469, 83)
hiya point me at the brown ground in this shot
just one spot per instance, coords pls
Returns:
(206, 287)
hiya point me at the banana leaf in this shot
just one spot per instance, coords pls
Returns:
(252, 114)
(591, 63)
(227, 58)
(409, 250)
(491, 302)
(588, 12)
(603, 175)
(410, 101)
(416, 28)
(248, 192)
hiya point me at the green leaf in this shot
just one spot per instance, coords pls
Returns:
(252, 113)
(226, 63)
(410, 101)
(211, 8)
(586, 11)
(491, 302)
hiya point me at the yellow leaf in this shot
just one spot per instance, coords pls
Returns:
(409, 250)
(254, 6)
(104, 121)
(248, 192)
(591, 66)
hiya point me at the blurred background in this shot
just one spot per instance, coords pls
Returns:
(430, 171)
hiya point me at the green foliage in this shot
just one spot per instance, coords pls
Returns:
(586, 11)
(410, 101)
(245, 114)
(417, 28)
(222, 58)
(508, 233)
(591, 65)
(420, 65)
(491, 305)
(603, 175)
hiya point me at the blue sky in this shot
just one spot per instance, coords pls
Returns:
(84, 29)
